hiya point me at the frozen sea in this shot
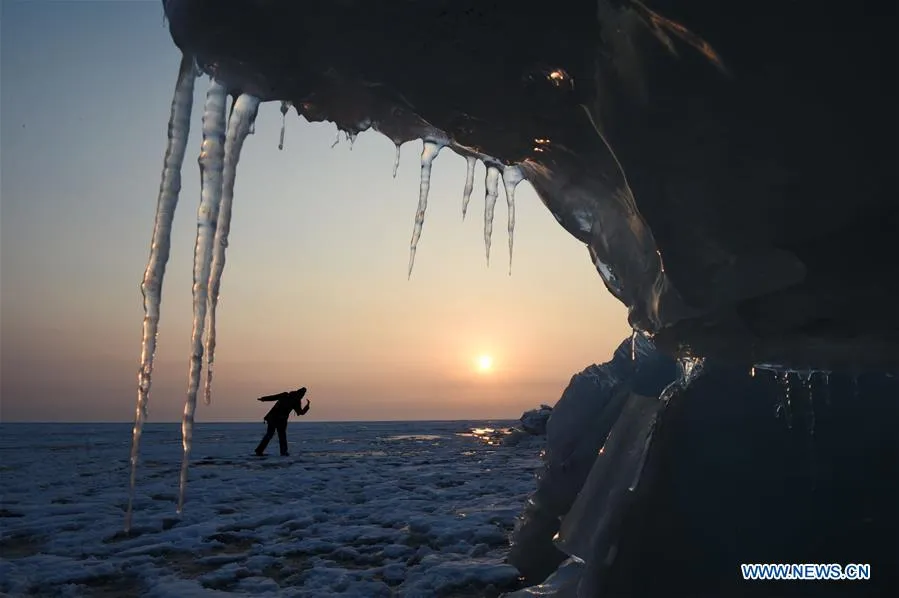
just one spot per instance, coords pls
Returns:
(357, 509)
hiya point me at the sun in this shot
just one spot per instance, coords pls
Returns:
(485, 363)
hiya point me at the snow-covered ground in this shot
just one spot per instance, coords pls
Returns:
(358, 509)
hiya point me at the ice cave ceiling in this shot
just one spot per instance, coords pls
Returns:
(732, 169)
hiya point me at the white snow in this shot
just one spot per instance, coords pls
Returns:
(358, 509)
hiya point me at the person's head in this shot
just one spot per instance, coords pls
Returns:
(301, 392)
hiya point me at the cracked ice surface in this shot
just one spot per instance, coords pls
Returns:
(359, 509)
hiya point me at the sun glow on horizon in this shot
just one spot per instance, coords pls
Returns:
(484, 363)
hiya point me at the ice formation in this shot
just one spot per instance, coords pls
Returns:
(491, 183)
(429, 151)
(285, 106)
(534, 421)
(224, 133)
(243, 114)
(396, 160)
(591, 406)
(222, 142)
(808, 385)
(212, 161)
(169, 188)
(785, 407)
(587, 189)
(470, 161)
(512, 175)
(589, 530)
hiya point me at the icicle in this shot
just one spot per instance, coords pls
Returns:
(151, 287)
(396, 160)
(211, 164)
(512, 175)
(788, 399)
(785, 406)
(810, 421)
(634, 345)
(285, 106)
(471, 162)
(690, 368)
(246, 108)
(492, 185)
(351, 137)
(429, 151)
(336, 140)
(752, 372)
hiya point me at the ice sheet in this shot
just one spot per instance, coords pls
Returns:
(358, 509)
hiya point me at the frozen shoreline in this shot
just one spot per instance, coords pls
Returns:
(367, 509)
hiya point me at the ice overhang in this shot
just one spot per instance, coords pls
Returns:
(734, 177)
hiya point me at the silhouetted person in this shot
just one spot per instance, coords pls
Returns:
(277, 417)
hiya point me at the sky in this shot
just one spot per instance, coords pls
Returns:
(314, 291)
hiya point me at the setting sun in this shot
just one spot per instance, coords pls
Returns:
(485, 363)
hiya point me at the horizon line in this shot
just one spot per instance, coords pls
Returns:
(332, 421)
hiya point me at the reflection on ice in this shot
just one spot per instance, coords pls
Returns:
(491, 436)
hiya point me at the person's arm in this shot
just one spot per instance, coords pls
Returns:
(276, 397)
(303, 410)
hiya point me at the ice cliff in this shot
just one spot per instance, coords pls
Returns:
(744, 466)
(576, 431)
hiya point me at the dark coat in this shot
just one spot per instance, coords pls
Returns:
(285, 402)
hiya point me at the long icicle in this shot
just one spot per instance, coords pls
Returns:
(211, 164)
(512, 175)
(244, 112)
(151, 287)
(471, 162)
(491, 182)
(429, 151)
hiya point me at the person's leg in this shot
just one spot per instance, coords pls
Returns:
(282, 437)
(270, 431)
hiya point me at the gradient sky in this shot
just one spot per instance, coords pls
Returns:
(314, 292)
